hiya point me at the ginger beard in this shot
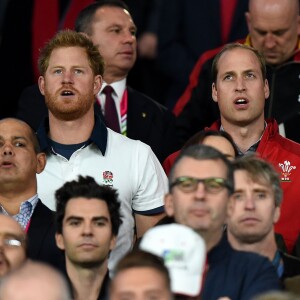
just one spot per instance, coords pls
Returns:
(69, 108)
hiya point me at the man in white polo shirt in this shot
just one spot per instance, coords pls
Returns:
(77, 141)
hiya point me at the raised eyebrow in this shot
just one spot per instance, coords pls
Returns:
(228, 73)
(249, 71)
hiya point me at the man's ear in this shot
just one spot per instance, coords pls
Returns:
(276, 214)
(113, 242)
(41, 162)
(266, 89)
(59, 241)
(41, 83)
(248, 20)
(214, 92)
(169, 205)
(97, 84)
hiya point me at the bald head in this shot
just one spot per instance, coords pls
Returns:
(35, 281)
(274, 27)
(12, 245)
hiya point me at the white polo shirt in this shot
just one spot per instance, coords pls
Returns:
(127, 165)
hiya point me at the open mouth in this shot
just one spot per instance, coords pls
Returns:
(241, 101)
(6, 164)
(67, 93)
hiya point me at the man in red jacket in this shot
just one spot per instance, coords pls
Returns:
(274, 28)
(240, 88)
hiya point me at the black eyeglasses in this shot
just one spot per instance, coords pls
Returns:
(212, 185)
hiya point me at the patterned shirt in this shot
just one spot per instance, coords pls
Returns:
(25, 212)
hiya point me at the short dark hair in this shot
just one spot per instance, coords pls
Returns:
(200, 136)
(69, 38)
(143, 259)
(232, 46)
(85, 18)
(203, 152)
(260, 171)
(88, 188)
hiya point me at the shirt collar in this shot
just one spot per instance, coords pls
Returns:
(33, 201)
(118, 86)
(253, 147)
(98, 136)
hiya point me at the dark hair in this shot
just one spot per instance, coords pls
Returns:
(200, 136)
(232, 46)
(85, 18)
(143, 259)
(203, 152)
(69, 38)
(88, 188)
(260, 171)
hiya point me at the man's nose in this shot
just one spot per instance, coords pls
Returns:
(270, 41)
(68, 77)
(7, 149)
(250, 202)
(240, 84)
(200, 190)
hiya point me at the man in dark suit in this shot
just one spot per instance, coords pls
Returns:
(110, 27)
(20, 161)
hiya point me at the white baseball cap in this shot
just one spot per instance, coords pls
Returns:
(184, 254)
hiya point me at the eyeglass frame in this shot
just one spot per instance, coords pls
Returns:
(13, 242)
(181, 179)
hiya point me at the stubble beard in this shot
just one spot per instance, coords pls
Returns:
(68, 109)
(249, 238)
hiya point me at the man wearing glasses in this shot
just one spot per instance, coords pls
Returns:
(200, 184)
(12, 245)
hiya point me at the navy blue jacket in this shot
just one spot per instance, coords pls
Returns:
(237, 274)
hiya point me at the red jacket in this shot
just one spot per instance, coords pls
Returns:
(195, 109)
(169, 161)
(284, 154)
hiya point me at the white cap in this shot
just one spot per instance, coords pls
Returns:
(184, 254)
